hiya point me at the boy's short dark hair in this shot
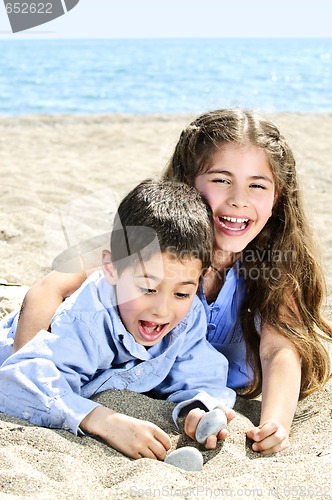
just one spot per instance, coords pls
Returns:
(172, 214)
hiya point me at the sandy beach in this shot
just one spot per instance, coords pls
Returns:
(62, 177)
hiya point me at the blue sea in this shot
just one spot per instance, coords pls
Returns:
(164, 75)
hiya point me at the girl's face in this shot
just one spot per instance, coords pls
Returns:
(240, 188)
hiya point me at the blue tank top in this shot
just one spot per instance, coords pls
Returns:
(224, 331)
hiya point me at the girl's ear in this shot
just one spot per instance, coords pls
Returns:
(109, 270)
(275, 199)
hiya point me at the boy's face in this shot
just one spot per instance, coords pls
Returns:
(155, 295)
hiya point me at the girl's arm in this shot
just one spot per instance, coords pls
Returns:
(41, 302)
(281, 367)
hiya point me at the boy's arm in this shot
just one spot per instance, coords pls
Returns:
(131, 436)
(43, 381)
(41, 302)
(195, 416)
(281, 367)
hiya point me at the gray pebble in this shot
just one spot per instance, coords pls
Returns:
(210, 424)
(187, 458)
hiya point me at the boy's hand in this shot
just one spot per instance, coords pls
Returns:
(192, 420)
(131, 436)
(269, 437)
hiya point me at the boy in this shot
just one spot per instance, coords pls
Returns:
(138, 325)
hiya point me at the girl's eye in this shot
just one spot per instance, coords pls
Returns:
(221, 181)
(147, 291)
(182, 295)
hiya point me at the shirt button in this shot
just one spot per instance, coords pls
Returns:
(65, 426)
(211, 327)
(138, 371)
(26, 414)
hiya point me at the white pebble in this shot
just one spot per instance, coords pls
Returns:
(210, 424)
(187, 458)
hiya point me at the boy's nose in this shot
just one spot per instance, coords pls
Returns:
(161, 307)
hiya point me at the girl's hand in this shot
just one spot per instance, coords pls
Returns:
(269, 437)
(192, 420)
(131, 436)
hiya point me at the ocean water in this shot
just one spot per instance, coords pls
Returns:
(164, 75)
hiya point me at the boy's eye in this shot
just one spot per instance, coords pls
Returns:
(182, 295)
(147, 291)
(258, 186)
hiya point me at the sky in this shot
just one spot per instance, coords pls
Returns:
(182, 18)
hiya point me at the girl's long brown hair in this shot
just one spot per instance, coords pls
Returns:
(284, 280)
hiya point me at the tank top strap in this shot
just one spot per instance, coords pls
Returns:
(223, 313)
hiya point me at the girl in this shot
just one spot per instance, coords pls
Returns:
(265, 289)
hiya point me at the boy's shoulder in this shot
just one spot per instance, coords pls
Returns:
(197, 306)
(195, 321)
(93, 295)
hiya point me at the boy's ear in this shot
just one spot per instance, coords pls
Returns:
(204, 274)
(109, 270)
(209, 269)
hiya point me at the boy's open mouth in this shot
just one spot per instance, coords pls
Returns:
(233, 223)
(150, 331)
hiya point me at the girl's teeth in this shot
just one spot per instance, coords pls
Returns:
(233, 228)
(234, 219)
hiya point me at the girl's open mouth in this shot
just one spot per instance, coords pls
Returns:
(233, 223)
(150, 331)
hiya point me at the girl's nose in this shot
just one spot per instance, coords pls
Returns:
(238, 198)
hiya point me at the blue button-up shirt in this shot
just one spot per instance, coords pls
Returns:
(49, 380)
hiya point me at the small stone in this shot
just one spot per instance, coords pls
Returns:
(210, 424)
(186, 458)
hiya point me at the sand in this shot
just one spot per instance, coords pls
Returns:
(82, 165)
